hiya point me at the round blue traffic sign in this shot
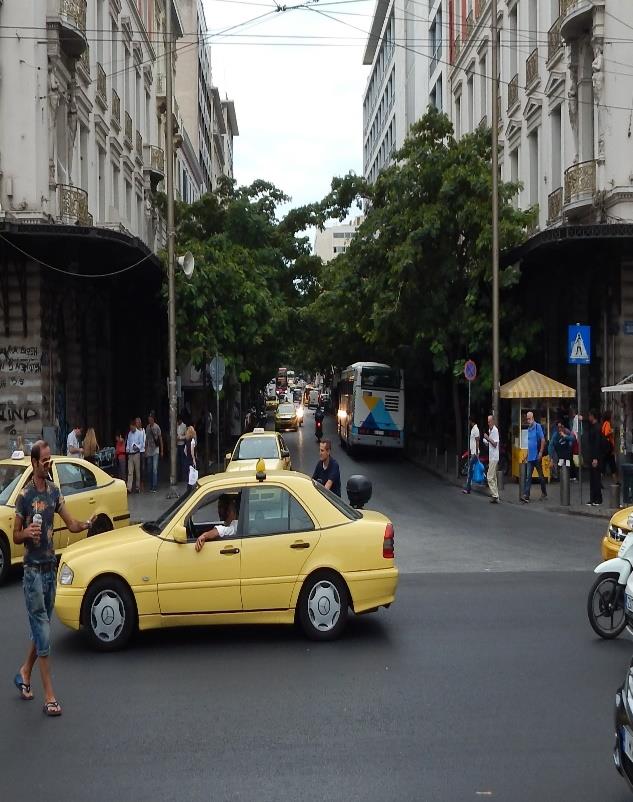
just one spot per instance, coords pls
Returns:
(470, 370)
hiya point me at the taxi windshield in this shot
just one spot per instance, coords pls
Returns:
(256, 447)
(9, 477)
(286, 409)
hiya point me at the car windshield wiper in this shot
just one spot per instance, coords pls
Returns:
(151, 527)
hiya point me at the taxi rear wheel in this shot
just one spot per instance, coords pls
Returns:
(5, 558)
(323, 606)
(605, 607)
(109, 614)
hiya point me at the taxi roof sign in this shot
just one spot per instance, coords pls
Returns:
(17, 455)
(258, 430)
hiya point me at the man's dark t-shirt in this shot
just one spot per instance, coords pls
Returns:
(332, 472)
(47, 502)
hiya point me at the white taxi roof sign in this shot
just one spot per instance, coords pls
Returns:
(17, 455)
(258, 430)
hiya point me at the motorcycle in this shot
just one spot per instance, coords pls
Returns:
(610, 598)
(318, 424)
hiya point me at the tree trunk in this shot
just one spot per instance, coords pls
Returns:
(458, 415)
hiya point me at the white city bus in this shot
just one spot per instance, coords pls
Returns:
(371, 406)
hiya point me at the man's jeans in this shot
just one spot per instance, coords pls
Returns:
(471, 464)
(531, 465)
(151, 471)
(39, 594)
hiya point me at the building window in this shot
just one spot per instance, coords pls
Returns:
(483, 86)
(513, 44)
(533, 156)
(101, 160)
(557, 177)
(533, 23)
(128, 202)
(514, 173)
(458, 117)
(470, 101)
(116, 180)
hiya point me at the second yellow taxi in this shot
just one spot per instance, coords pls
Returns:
(259, 444)
(620, 525)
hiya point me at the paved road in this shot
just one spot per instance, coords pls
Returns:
(484, 680)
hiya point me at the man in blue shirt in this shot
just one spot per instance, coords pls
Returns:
(536, 446)
(327, 471)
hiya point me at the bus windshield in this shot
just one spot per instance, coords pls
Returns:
(384, 378)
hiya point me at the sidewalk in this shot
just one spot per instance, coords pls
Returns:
(510, 493)
(148, 506)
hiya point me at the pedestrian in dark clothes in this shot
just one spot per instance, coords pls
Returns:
(591, 453)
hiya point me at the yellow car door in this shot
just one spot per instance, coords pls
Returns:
(278, 537)
(78, 485)
(207, 581)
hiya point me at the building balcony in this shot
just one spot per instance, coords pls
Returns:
(580, 185)
(102, 90)
(127, 133)
(554, 206)
(154, 164)
(531, 68)
(67, 20)
(576, 18)
(115, 112)
(554, 42)
(513, 93)
(72, 203)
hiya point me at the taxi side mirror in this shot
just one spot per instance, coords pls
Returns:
(285, 454)
(227, 457)
(180, 534)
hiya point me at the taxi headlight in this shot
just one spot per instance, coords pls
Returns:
(300, 412)
(66, 575)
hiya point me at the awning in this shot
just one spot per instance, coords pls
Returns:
(536, 385)
(618, 388)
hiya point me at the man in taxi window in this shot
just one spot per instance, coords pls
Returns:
(227, 511)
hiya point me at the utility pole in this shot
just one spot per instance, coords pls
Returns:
(495, 211)
(171, 233)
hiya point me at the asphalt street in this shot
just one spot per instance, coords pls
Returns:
(483, 680)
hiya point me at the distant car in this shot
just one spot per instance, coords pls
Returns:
(620, 525)
(313, 399)
(300, 554)
(257, 444)
(87, 490)
(286, 417)
(272, 402)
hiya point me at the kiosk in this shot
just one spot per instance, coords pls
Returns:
(532, 391)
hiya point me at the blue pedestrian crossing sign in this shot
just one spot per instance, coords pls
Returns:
(579, 345)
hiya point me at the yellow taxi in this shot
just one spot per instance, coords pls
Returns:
(272, 402)
(88, 491)
(259, 444)
(620, 525)
(298, 553)
(286, 417)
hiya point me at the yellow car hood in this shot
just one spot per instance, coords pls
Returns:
(92, 546)
(251, 465)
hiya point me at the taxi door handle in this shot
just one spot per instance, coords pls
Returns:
(300, 544)
(230, 550)
(91, 500)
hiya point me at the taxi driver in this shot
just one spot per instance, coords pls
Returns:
(227, 511)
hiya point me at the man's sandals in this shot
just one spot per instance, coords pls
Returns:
(23, 688)
(52, 708)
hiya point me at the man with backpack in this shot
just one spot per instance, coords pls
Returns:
(534, 458)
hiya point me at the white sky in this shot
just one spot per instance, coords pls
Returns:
(298, 104)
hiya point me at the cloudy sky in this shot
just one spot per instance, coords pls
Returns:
(297, 80)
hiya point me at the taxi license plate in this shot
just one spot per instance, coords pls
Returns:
(629, 603)
(627, 742)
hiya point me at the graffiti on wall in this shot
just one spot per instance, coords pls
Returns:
(20, 383)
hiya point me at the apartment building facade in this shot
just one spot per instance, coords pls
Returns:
(564, 102)
(82, 127)
(335, 240)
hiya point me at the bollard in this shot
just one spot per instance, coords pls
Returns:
(446, 462)
(523, 468)
(436, 457)
(614, 496)
(501, 480)
(564, 485)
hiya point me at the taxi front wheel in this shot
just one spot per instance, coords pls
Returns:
(109, 614)
(323, 606)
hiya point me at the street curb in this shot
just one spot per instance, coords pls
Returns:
(483, 490)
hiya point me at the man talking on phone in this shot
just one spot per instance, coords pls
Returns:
(35, 509)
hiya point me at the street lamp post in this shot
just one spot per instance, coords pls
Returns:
(495, 212)
(171, 233)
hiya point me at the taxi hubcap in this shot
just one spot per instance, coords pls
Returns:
(107, 615)
(324, 605)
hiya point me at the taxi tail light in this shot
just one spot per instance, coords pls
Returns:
(388, 543)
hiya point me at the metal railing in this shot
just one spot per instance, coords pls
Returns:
(513, 92)
(128, 129)
(483, 123)
(75, 10)
(102, 90)
(157, 159)
(555, 205)
(531, 67)
(84, 59)
(73, 203)
(116, 108)
(554, 40)
(566, 5)
(580, 181)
